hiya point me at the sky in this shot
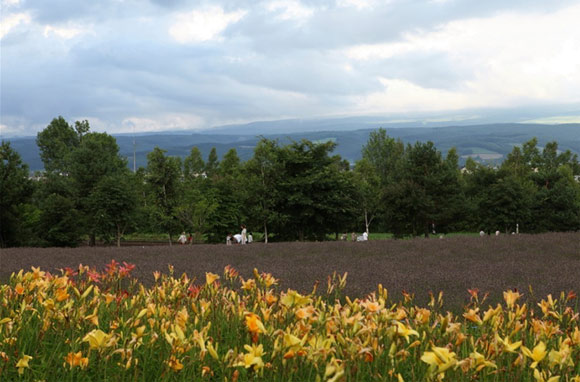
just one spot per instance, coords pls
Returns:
(153, 65)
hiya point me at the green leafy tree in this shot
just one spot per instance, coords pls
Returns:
(557, 200)
(96, 157)
(113, 204)
(369, 191)
(478, 183)
(84, 159)
(384, 157)
(15, 191)
(383, 153)
(313, 192)
(426, 193)
(261, 177)
(193, 165)
(510, 204)
(212, 163)
(229, 193)
(59, 221)
(56, 142)
(163, 181)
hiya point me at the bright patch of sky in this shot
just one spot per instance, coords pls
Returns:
(177, 65)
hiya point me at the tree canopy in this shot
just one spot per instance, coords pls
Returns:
(296, 191)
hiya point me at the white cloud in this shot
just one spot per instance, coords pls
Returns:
(289, 10)
(11, 21)
(358, 4)
(403, 96)
(203, 25)
(10, 3)
(556, 119)
(171, 121)
(510, 59)
(62, 32)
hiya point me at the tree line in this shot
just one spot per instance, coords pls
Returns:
(296, 191)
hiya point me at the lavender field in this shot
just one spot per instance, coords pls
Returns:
(550, 263)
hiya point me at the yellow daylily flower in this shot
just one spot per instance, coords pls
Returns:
(491, 312)
(508, 346)
(23, 363)
(174, 363)
(511, 297)
(293, 298)
(248, 284)
(372, 306)
(291, 340)
(541, 377)
(213, 351)
(422, 315)
(253, 358)
(210, 278)
(473, 316)
(439, 359)
(561, 357)
(538, 354)
(404, 331)
(97, 339)
(479, 361)
(333, 371)
(575, 337)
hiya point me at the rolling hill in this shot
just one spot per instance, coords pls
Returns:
(489, 142)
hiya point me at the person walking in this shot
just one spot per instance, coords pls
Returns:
(244, 235)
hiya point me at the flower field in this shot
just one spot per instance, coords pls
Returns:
(85, 324)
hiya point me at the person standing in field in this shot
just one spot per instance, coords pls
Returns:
(244, 235)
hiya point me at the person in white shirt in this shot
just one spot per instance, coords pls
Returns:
(182, 238)
(250, 238)
(365, 236)
(244, 237)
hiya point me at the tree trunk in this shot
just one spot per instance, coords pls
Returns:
(118, 236)
(367, 222)
(265, 233)
(170, 242)
(92, 239)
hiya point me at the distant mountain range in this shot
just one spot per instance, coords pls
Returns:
(490, 142)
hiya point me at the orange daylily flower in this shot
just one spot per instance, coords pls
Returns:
(76, 359)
